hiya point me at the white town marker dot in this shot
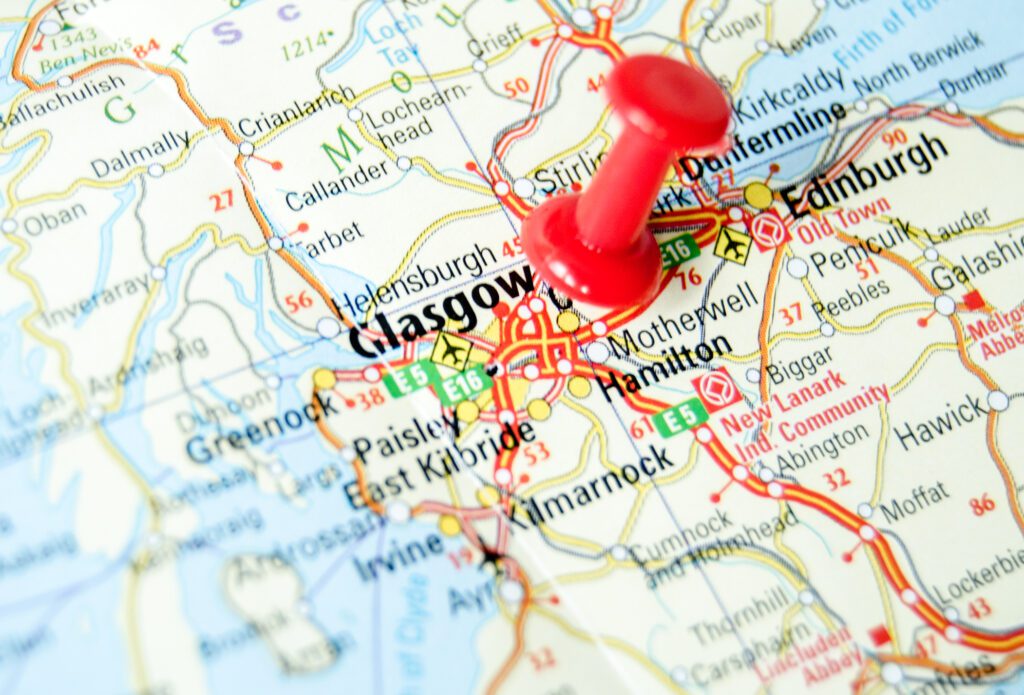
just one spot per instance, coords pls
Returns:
(328, 327)
(398, 511)
(892, 673)
(581, 17)
(945, 305)
(523, 188)
(598, 353)
(797, 267)
(998, 401)
(511, 591)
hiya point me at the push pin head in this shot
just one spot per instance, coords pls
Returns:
(595, 246)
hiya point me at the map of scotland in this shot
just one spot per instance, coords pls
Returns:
(285, 409)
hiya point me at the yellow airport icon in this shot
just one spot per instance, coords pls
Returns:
(732, 246)
(451, 351)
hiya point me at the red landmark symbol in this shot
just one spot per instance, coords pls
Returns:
(879, 636)
(769, 231)
(974, 301)
(717, 390)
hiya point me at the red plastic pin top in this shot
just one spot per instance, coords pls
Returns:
(595, 246)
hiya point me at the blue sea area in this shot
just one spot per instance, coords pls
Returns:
(10, 35)
(124, 196)
(867, 39)
(1014, 686)
(57, 602)
(359, 37)
(367, 620)
(377, 625)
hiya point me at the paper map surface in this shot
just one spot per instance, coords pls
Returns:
(283, 408)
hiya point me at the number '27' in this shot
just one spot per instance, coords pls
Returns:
(218, 201)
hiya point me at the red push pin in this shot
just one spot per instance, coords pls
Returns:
(595, 246)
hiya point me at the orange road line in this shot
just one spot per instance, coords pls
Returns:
(878, 545)
(1004, 471)
(903, 263)
(970, 366)
(357, 464)
(608, 46)
(601, 41)
(520, 642)
(684, 22)
(291, 261)
(19, 56)
(1008, 663)
(197, 111)
(988, 125)
(766, 316)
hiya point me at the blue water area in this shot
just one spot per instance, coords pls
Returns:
(73, 629)
(56, 600)
(125, 196)
(1014, 686)
(339, 280)
(359, 39)
(165, 306)
(10, 35)
(13, 161)
(359, 614)
(638, 21)
(128, 433)
(838, 66)
(20, 385)
(378, 623)
(373, 620)
(22, 389)
(362, 616)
